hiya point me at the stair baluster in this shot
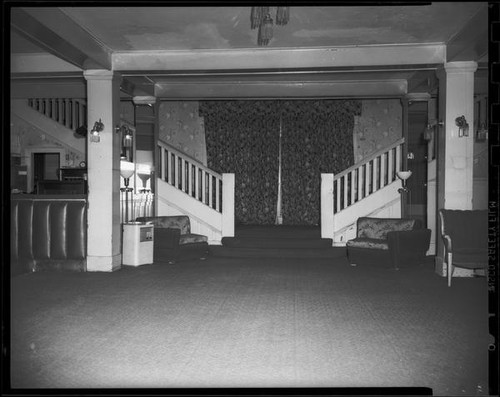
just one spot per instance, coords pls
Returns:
(190, 176)
(72, 113)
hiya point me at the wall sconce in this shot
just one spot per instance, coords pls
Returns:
(430, 129)
(403, 175)
(127, 140)
(463, 126)
(482, 133)
(95, 131)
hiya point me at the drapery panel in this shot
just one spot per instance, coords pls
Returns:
(243, 137)
(317, 138)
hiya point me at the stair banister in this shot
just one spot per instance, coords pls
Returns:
(185, 173)
(352, 185)
(370, 158)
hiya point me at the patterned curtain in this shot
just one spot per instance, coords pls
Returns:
(242, 137)
(317, 138)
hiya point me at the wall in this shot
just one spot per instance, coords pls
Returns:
(182, 128)
(379, 125)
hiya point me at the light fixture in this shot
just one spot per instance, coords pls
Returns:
(260, 18)
(95, 131)
(463, 126)
(144, 173)
(127, 140)
(126, 172)
(482, 132)
(403, 175)
(430, 129)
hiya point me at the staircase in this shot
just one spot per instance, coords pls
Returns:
(368, 188)
(283, 241)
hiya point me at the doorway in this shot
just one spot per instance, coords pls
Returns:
(43, 164)
(417, 161)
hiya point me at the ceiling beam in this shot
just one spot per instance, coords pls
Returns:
(40, 63)
(137, 86)
(55, 32)
(282, 59)
(327, 89)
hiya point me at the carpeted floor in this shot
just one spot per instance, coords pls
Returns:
(227, 322)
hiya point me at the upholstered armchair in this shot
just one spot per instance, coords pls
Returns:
(388, 242)
(465, 238)
(173, 240)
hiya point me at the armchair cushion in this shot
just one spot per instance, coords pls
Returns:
(377, 228)
(192, 238)
(368, 243)
(180, 222)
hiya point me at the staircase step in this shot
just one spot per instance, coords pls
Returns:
(278, 231)
(234, 252)
(274, 242)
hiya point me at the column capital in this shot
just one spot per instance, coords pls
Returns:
(417, 96)
(144, 100)
(100, 74)
(460, 67)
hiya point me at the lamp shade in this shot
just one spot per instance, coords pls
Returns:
(404, 175)
(126, 169)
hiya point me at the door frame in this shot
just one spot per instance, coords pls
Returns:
(29, 152)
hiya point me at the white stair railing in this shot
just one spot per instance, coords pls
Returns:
(366, 188)
(366, 177)
(70, 112)
(190, 176)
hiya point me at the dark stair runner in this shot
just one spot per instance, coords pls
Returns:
(282, 241)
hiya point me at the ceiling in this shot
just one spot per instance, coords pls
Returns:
(176, 52)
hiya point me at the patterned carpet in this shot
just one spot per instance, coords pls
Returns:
(227, 322)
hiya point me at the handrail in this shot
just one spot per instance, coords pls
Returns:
(190, 176)
(370, 158)
(190, 159)
(69, 112)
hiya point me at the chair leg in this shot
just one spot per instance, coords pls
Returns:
(449, 270)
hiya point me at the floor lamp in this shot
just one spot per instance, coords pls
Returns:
(126, 171)
(404, 191)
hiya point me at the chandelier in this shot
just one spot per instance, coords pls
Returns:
(261, 18)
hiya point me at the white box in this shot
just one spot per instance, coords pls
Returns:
(137, 243)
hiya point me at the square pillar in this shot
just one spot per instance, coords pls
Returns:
(103, 163)
(455, 154)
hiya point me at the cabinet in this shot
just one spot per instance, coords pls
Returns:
(137, 243)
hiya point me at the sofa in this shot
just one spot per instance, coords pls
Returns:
(173, 239)
(388, 242)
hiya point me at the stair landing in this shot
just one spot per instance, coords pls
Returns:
(283, 241)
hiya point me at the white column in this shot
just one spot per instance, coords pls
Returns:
(228, 205)
(455, 155)
(455, 184)
(103, 162)
(327, 217)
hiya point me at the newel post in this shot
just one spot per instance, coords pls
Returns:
(227, 205)
(327, 206)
